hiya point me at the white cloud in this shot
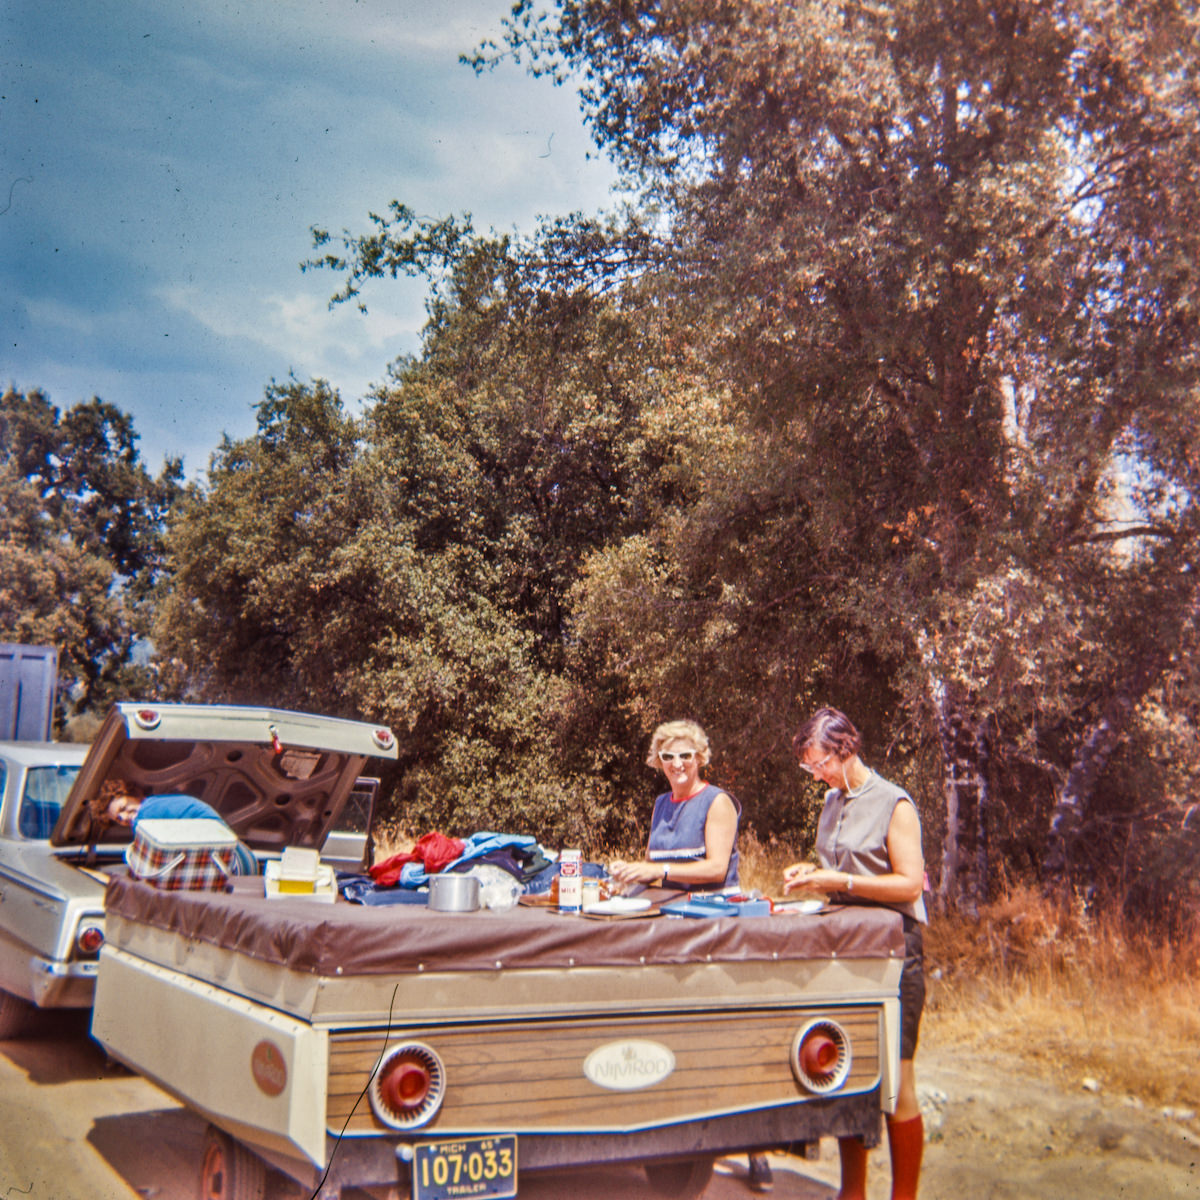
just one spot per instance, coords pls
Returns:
(300, 334)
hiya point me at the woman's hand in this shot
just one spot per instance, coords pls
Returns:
(797, 871)
(795, 876)
(635, 872)
(903, 884)
(810, 880)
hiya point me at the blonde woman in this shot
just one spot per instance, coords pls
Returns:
(693, 832)
(693, 840)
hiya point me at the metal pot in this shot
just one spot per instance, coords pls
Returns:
(454, 893)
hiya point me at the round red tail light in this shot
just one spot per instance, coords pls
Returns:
(818, 1054)
(407, 1086)
(147, 718)
(821, 1056)
(90, 939)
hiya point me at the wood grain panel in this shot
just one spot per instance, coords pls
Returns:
(528, 1076)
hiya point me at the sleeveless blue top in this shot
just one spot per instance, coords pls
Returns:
(172, 806)
(677, 831)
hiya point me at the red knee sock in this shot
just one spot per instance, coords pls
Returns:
(854, 1169)
(907, 1142)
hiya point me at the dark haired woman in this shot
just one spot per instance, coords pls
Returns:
(869, 852)
(122, 802)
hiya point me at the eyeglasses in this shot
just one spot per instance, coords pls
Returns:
(813, 768)
(669, 756)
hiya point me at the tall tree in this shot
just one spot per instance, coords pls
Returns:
(943, 255)
(242, 612)
(931, 268)
(415, 565)
(80, 541)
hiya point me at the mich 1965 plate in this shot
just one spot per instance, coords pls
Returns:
(483, 1168)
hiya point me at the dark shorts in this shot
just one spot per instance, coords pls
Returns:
(912, 987)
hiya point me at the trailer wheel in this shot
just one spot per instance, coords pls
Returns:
(229, 1170)
(16, 1015)
(685, 1179)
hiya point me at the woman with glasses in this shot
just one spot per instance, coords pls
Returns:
(693, 840)
(869, 852)
(693, 831)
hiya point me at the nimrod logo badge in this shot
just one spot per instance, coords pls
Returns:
(268, 1068)
(624, 1066)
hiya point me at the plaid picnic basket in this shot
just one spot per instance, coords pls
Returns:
(183, 853)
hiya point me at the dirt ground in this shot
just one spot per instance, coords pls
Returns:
(996, 1133)
(77, 1128)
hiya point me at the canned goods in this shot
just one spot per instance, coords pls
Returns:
(570, 880)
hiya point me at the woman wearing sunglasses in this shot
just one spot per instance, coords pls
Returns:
(869, 852)
(693, 840)
(693, 832)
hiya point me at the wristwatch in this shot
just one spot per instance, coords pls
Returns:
(849, 882)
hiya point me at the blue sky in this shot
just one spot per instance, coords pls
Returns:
(163, 164)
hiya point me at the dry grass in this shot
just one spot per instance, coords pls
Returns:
(1068, 995)
(389, 838)
(761, 864)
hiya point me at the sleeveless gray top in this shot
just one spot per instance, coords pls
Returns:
(852, 835)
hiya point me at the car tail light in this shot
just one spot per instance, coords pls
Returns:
(383, 738)
(147, 718)
(407, 1087)
(821, 1056)
(89, 939)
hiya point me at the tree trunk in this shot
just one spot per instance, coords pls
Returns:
(983, 800)
(965, 864)
(1068, 821)
(1063, 869)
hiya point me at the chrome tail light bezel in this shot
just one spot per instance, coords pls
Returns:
(378, 1090)
(89, 939)
(828, 1079)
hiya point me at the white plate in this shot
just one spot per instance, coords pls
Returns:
(619, 905)
(801, 906)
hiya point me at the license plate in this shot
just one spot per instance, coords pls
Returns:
(480, 1168)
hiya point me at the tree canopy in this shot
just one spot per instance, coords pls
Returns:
(931, 267)
(80, 526)
(415, 564)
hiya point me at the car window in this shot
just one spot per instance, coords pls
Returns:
(356, 816)
(46, 789)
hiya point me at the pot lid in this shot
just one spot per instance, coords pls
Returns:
(277, 778)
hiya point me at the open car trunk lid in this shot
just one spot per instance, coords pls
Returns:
(278, 778)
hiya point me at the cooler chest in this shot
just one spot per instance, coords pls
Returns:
(182, 854)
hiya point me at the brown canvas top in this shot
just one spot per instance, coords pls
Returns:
(353, 939)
